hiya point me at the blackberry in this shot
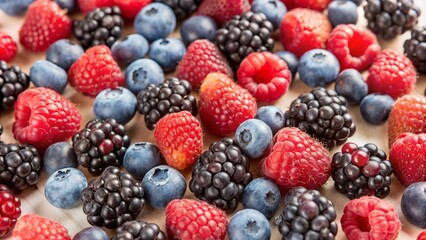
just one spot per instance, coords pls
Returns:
(359, 171)
(12, 82)
(100, 144)
(139, 230)
(182, 8)
(415, 48)
(389, 18)
(156, 101)
(307, 215)
(220, 175)
(323, 114)
(20, 165)
(244, 34)
(100, 26)
(112, 199)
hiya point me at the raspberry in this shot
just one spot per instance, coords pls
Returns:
(422, 235)
(318, 5)
(129, 8)
(264, 75)
(180, 139)
(391, 73)
(10, 211)
(44, 117)
(370, 218)
(296, 159)
(201, 58)
(95, 71)
(223, 10)
(407, 115)
(31, 226)
(89, 5)
(303, 30)
(193, 219)
(408, 158)
(44, 24)
(353, 46)
(7, 47)
(224, 105)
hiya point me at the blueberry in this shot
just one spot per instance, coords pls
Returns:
(318, 68)
(140, 158)
(342, 12)
(262, 195)
(291, 60)
(69, 5)
(92, 233)
(63, 189)
(198, 27)
(118, 103)
(413, 204)
(130, 49)
(141, 73)
(254, 138)
(272, 116)
(64, 53)
(167, 52)
(249, 224)
(46, 74)
(162, 184)
(59, 155)
(274, 10)
(14, 7)
(375, 108)
(351, 85)
(155, 21)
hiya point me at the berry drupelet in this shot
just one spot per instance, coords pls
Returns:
(100, 26)
(12, 82)
(10, 210)
(139, 230)
(100, 144)
(181, 8)
(415, 48)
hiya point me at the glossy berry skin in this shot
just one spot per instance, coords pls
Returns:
(57, 156)
(375, 108)
(254, 137)
(63, 189)
(422, 235)
(291, 60)
(413, 204)
(31, 226)
(167, 52)
(46, 74)
(8, 47)
(130, 49)
(415, 46)
(9, 213)
(139, 230)
(162, 184)
(223, 10)
(155, 21)
(262, 195)
(140, 158)
(272, 116)
(342, 12)
(351, 85)
(95, 233)
(318, 68)
(141, 73)
(249, 224)
(64, 53)
(15, 8)
(198, 27)
(274, 10)
(118, 103)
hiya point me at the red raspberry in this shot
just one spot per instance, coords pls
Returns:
(422, 235)
(296, 159)
(290, 4)
(264, 75)
(95, 71)
(391, 73)
(179, 137)
(201, 58)
(193, 219)
(407, 115)
(89, 5)
(408, 158)
(7, 47)
(10, 211)
(224, 105)
(223, 10)
(44, 117)
(303, 30)
(32, 227)
(353, 46)
(370, 218)
(44, 24)
(130, 8)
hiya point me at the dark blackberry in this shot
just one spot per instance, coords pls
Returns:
(112, 199)
(20, 165)
(156, 101)
(220, 175)
(389, 18)
(359, 171)
(182, 8)
(100, 26)
(100, 144)
(244, 34)
(139, 230)
(12, 82)
(415, 48)
(323, 114)
(307, 215)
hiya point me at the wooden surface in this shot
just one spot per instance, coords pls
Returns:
(33, 200)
